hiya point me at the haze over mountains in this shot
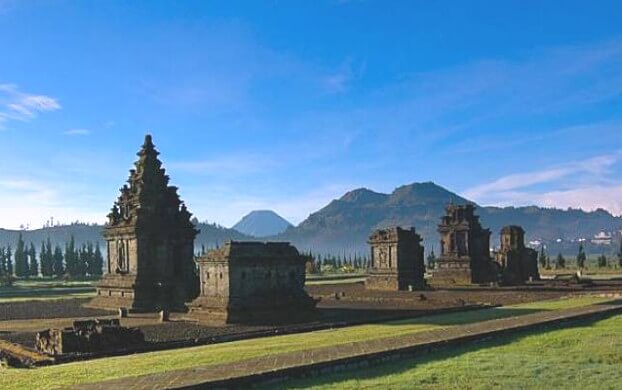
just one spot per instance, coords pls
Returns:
(345, 223)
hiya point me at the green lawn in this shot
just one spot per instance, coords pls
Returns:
(115, 367)
(46, 289)
(586, 356)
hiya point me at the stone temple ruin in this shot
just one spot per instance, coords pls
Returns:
(252, 282)
(518, 263)
(465, 249)
(90, 336)
(396, 260)
(150, 243)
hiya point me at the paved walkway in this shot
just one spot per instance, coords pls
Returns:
(239, 374)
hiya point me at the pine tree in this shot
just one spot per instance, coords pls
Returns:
(47, 259)
(620, 254)
(602, 261)
(9, 261)
(3, 262)
(98, 263)
(431, 260)
(21, 259)
(542, 259)
(57, 266)
(33, 267)
(560, 262)
(71, 257)
(581, 257)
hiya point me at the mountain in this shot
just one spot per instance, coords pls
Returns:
(210, 235)
(345, 223)
(262, 223)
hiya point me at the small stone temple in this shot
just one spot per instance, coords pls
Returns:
(150, 243)
(396, 260)
(518, 263)
(465, 248)
(252, 282)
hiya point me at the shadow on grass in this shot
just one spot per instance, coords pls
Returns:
(29, 292)
(403, 365)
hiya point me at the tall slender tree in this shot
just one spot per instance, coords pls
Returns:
(98, 263)
(21, 259)
(9, 261)
(3, 272)
(47, 259)
(581, 257)
(71, 257)
(33, 266)
(620, 254)
(58, 267)
(542, 258)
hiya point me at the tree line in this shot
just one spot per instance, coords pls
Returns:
(74, 262)
(560, 261)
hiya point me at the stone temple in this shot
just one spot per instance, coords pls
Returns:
(252, 282)
(465, 248)
(396, 260)
(150, 243)
(518, 263)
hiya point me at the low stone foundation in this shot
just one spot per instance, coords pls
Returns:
(88, 337)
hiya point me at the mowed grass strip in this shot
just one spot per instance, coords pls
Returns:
(40, 290)
(148, 363)
(584, 356)
(48, 296)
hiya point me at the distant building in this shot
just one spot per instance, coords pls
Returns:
(465, 249)
(535, 243)
(602, 238)
(396, 260)
(252, 282)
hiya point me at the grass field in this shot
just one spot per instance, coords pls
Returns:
(584, 356)
(37, 290)
(115, 367)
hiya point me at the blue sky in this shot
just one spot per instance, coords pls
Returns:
(288, 104)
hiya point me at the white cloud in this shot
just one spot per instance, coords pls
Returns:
(579, 184)
(23, 106)
(31, 202)
(229, 165)
(77, 132)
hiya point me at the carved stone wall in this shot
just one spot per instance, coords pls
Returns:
(150, 242)
(517, 262)
(396, 260)
(252, 282)
(465, 249)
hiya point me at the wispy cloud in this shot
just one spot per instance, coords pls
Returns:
(580, 184)
(22, 106)
(77, 132)
(227, 165)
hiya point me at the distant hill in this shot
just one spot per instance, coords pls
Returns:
(210, 236)
(345, 223)
(262, 223)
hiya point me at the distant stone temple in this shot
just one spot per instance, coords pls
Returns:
(465, 249)
(150, 243)
(252, 282)
(396, 260)
(518, 263)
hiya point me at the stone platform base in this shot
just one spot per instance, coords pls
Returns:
(391, 282)
(213, 312)
(452, 276)
(124, 291)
